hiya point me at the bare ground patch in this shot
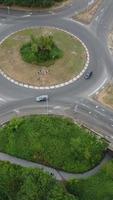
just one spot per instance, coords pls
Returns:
(106, 96)
(62, 70)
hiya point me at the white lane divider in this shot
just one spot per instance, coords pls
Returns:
(96, 91)
(16, 111)
(26, 16)
(91, 2)
(3, 100)
(57, 107)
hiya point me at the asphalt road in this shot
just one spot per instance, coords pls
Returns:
(14, 97)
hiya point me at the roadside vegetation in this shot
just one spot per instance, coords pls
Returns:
(30, 3)
(52, 141)
(18, 183)
(98, 187)
(40, 50)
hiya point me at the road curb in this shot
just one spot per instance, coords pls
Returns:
(53, 86)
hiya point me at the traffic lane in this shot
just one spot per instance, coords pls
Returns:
(96, 106)
(105, 22)
(102, 128)
(102, 116)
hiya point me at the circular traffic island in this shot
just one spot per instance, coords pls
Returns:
(53, 141)
(42, 56)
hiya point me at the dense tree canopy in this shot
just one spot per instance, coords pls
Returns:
(38, 3)
(18, 183)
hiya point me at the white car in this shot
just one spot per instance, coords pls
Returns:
(42, 98)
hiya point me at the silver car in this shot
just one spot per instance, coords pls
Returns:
(42, 98)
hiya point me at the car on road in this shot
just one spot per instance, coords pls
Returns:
(42, 98)
(88, 75)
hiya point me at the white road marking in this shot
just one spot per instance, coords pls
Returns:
(75, 109)
(50, 111)
(91, 2)
(100, 113)
(16, 111)
(57, 107)
(51, 12)
(102, 10)
(96, 19)
(98, 87)
(3, 100)
(26, 15)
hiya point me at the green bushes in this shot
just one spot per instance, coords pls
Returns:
(40, 50)
(30, 3)
(18, 183)
(98, 187)
(53, 141)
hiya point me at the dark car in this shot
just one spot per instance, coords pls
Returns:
(88, 75)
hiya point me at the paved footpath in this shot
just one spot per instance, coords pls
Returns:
(59, 175)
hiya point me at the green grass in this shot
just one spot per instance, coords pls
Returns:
(18, 183)
(53, 141)
(98, 187)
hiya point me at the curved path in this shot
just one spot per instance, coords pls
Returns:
(93, 35)
(59, 175)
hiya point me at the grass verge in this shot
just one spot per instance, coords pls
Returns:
(53, 141)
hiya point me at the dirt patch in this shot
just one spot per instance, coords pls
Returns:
(106, 96)
(64, 69)
(87, 15)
